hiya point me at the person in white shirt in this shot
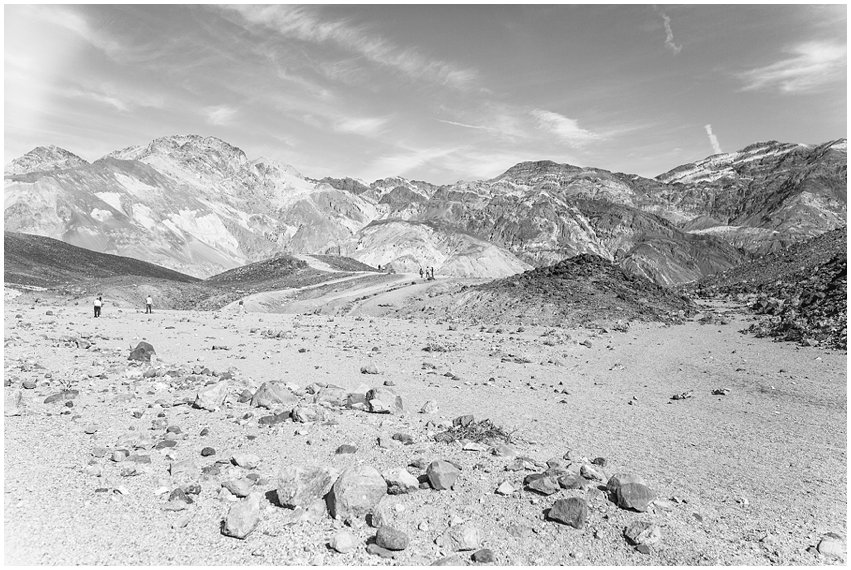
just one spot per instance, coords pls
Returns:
(149, 305)
(98, 305)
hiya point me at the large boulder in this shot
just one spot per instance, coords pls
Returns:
(300, 486)
(382, 400)
(356, 492)
(142, 352)
(634, 496)
(442, 475)
(271, 395)
(212, 397)
(571, 511)
(243, 517)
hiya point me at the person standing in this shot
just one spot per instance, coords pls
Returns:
(149, 302)
(98, 305)
(421, 272)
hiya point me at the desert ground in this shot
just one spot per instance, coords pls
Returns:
(756, 476)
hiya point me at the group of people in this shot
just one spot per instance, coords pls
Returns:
(427, 274)
(149, 305)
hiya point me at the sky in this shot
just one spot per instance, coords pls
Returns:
(429, 92)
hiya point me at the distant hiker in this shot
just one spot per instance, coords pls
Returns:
(98, 305)
(421, 272)
(379, 267)
(149, 303)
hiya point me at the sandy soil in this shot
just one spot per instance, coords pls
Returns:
(754, 477)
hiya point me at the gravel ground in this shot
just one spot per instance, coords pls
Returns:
(755, 477)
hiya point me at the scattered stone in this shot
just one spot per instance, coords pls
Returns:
(346, 448)
(205, 432)
(404, 438)
(484, 556)
(356, 492)
(720, 392)
(461, 537)
(474, 446)
(591, 474)
(430, 407)
(442, 475)
(142, 352)
(619, 479)
(505, 488)
(245, 396)
(246, 460)
(642, 532)
(305, 414)
(179, 495)
(391, 538)
(275, 419)
(165, 444)
(212, 397)
(453, 560)
(543, 484)
(272, 394)
(503, 450)
(369, 369)
(343, 542)
(832, 546)
(376, 550)
(571, 511)
(643, 549)
(634, 496)
(185, 468)
(89, 430)
(463, 421)
(601, 461)
(300, 486)
(683, 395)
(239, 487)
(400, 481)
(243, 517)
(208, 451)
(28, 384)
(382, 400)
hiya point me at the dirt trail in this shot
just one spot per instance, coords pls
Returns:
(755, 477)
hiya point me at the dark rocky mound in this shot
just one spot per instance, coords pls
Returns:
(587, 288)
(261, 271)
(45, 262)
(802, 290)
(342, 263)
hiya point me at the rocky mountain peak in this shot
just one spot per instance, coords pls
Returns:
(531, 171)
(44, 159)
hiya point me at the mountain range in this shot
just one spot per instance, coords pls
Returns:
(200, 206)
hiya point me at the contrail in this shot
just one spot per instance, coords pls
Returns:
(669, 35)
(713, 140)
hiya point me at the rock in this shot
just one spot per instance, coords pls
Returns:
(212, 397)
(272, 394)
(142, 352)
(391, 538)
(461, 537)
(369, 369)
(484, 556)
(243, 517)
(429, 407)
(463, 421)
(505, 488)
(343, 542)
(382, 400)
(503, 450)
(380, 551)
(89, 430)
(12, 403)
(245, 396)
(832, 546)
(634, 496)
(239, 487)
(346, 448)
(619, 479)
(274, 419)
(400, 481)
(179, 495)
(208, 451)
(591, 474)
(299, 486)
(305, 414)
(184, 469)
(643, 549)
(572, 481)
(28, 384)
(442, 475)
(544, 485)
(356, 492)
(246, 460)
(454, 560)
(720, 391)
(474, 446)
(571, 511)
(642, 532)
(331, 396)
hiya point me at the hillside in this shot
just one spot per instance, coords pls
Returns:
(43, 262)
(802, 290)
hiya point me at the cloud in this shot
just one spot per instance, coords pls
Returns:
(399, 163)
(568, 130)
(811, 66)
(77, 24)
(303, 23)
(219, 114)
(669, 35)
(365, 126)
(465, 125)
(713, 140)
(114, 98)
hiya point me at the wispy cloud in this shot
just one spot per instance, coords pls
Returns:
(219, 114)
(399, 163)
(465, 125)
(112, 97)
(713, 140)
(305, 24)
(567, 129)
(365, 126)
(669, 35)
(811, 66)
